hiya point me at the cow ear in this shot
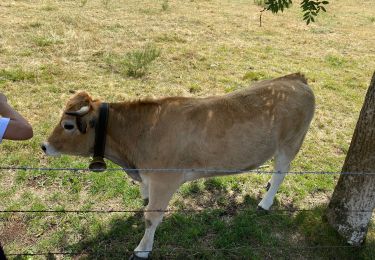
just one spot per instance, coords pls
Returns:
(81, 125)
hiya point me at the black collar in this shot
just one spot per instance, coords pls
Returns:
(98, 164)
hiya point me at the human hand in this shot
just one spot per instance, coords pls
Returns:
(3, 98)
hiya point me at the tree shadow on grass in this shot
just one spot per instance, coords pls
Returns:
(235, 231)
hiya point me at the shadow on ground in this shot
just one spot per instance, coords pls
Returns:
(235, 231)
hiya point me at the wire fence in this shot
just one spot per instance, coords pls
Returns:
(176, 170)
(291, 210)
(187, 170)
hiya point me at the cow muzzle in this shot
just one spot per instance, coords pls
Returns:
(49, 149)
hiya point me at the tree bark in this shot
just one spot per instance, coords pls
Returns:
(353, 199)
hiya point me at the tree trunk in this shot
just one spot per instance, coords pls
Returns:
(353, 199)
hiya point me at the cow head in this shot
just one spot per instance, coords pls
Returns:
(75, 132)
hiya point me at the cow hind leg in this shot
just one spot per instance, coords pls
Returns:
(282, 164)
(160, 194)
(283, 158)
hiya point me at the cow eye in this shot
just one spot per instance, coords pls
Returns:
(68, 127)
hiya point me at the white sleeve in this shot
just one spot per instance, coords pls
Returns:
(3, 126)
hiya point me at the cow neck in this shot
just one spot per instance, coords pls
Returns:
(118, 145)
(98, 163)
(122, 135)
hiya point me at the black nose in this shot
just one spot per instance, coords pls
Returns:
(44, 148)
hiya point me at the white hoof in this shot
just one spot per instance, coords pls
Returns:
(264, 204)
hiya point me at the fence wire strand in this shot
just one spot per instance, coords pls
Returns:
(179, 170)
(172, 170)
(293, 210)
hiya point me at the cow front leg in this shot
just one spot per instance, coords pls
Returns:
(160, 193)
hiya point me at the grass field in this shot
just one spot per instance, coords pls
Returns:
(123, 50)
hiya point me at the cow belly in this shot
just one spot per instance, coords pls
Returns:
(240, 160)
(239, 149)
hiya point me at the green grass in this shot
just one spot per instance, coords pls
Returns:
(199, 48)
(43, 41)
(336, 61)
(16, 74)
(165, 5)
(253, 76)
(135, 63)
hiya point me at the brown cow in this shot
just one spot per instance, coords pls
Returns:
(240, 130)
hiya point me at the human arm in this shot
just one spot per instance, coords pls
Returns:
(18, 127)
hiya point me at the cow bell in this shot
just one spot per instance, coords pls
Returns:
(97, 164)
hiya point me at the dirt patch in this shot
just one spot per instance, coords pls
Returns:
(317, 198)
(12, 230)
